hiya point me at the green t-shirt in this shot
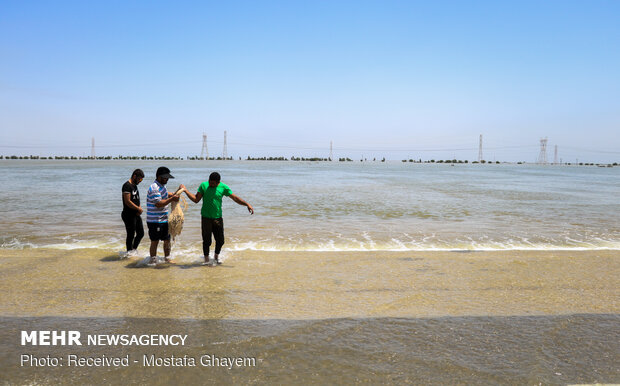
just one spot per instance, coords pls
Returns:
(212, 199)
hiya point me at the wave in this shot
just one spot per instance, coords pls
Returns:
(64, 243)
(367, 245)
(15, 243)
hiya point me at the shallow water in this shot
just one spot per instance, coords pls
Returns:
(508, 317)
(304, 206)
(464, 350)
(311, 285)
(363, 272)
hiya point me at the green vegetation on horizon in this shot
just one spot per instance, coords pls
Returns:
(292, 158)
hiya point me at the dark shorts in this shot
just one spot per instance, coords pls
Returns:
(158, 231)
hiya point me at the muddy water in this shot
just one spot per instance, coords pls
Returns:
(421, 317)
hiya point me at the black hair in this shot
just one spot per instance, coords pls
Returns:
(138, 173)
(215, 176)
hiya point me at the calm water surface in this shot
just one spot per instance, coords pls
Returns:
(328, 206)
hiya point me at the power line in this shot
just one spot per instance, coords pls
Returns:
(140, 145)
(293, 147)
(380, 149)
(591, 150)
(99, 146)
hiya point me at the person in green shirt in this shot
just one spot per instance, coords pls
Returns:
(211, 193)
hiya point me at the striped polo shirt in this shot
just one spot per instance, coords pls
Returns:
(156, 193)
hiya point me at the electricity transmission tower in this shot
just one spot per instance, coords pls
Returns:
(542, 157)
(92, 148)
(480, 149)
(331, 150)
(225, 152)
(555, 157)
(205, 151)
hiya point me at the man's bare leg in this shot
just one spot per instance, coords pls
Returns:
(207, 263)
(167, 251)
(153, 250)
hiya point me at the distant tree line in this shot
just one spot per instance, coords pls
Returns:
(66, 157)
(197, 158)
(266, 159)
(293, 158)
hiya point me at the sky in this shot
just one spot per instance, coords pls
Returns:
(393, 79)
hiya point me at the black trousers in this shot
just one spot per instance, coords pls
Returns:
(134, 228)
(213, 226)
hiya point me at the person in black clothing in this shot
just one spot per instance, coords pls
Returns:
(132, 211)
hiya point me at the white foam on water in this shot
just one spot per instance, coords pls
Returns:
(399, 246)
(15, 243)
(340, 244)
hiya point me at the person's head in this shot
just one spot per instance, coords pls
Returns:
(137, 176)
(214, 179)
(163, 174)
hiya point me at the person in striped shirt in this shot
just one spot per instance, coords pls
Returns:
(157, 201)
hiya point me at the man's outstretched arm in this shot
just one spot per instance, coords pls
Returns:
(195, 198)
(240, 201)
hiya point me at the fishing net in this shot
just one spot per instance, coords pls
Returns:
(176, 218)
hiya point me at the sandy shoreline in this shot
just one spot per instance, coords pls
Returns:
(309, 285)
(380, 318)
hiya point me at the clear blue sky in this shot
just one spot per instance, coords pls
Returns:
(379, 78)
